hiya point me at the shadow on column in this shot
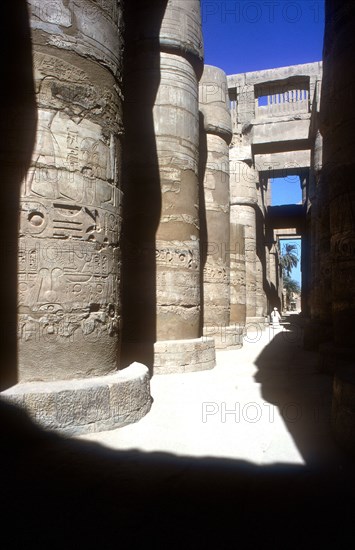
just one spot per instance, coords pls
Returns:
(18, 117)
(141, 181)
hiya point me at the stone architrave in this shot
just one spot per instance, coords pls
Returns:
(70, 220)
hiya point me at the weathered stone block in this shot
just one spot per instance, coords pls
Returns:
(87, 405)
(184, 355)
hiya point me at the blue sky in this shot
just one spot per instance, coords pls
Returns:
(242, 36)
(286, 190)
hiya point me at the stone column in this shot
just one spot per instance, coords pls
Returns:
(338, 169)
(177, 238)
(70, 204)
(316, 164)
(337, 128)
(272, 287)
(214, 106)
(261, 259)
(176, 121)
(70, 222)
(169, 60)
(318, 328)
(244, 200)
(237, 270)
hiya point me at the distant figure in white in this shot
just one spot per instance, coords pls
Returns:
(275, 318)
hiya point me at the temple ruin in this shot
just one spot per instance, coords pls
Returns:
(146, 237)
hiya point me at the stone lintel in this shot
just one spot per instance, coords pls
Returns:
(284, 161)
(286, 215)
(279, 73)
(179, 356)
(86, 405)
(287, 232)
(291, 131)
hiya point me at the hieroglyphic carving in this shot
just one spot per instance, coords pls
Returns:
(70, 219)
(64, 87)
(177, 256)
(72, 177)
(63, 285)
(343, 246)
(216, 272)
(49, 65)
(108, 6)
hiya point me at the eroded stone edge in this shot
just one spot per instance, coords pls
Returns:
(81, 406)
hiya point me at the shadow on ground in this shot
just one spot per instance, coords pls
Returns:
(62, 493)
(291, 381)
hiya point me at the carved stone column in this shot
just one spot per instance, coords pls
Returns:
(261, 257)
(319, 327)
(237, 270)
(176, 121)
(244, 200)
(70, 223)
(337, 128)
(214, 107)
(167, 56)
(337, 172)
(70, 206)
(316, 165)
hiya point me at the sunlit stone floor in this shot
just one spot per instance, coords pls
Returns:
(265, 403)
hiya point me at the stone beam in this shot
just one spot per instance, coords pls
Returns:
(270, 75)
(291, 131)
(286, 162)
(286, 216)
(287, 232)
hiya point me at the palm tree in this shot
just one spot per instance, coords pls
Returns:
(289, 259)
(292, 287)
